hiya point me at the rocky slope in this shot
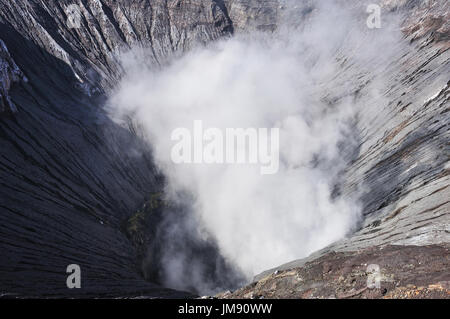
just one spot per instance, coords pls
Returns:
(71, 179)
(10, 73)
(404, 272)
(403, 165)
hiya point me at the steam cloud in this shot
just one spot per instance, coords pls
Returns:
(285, 79)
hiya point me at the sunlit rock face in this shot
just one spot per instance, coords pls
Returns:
(72, 180)
(402, 163)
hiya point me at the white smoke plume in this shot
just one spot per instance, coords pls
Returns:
(283, 79)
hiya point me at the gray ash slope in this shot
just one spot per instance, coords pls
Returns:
(403, 151)
(69, 179)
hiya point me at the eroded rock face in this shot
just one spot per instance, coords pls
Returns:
(254, 14)
(70, 178)
(9, 73)
(402, 162)
(88, 37)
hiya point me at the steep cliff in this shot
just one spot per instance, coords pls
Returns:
(10, 74)
(402, 163)
(71, 178)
